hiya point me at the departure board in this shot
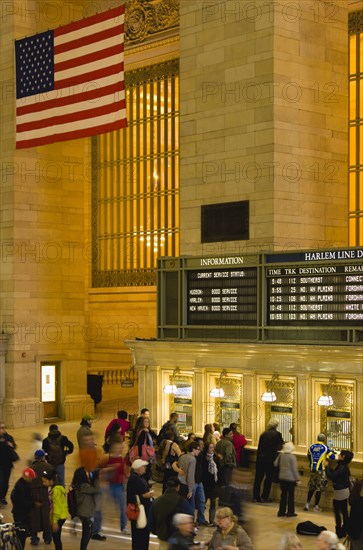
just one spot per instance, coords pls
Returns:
(326, 293)
(222, 296)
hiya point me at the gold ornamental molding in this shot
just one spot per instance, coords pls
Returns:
(145, 18)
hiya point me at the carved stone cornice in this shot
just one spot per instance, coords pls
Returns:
(145, 18)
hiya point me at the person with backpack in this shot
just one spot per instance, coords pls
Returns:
(171, 424)
(57, 447)
(170, 452)
(58, 506)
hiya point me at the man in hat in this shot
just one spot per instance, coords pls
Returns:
(269, 444)
(317, 454)
(85, 429)
(57, 446)
(40, 513)
(23, 503)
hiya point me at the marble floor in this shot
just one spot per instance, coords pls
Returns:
(266, 528)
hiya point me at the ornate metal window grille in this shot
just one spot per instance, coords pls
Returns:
(135, 182)
(356, 128)
(336, 420)
(283, 408)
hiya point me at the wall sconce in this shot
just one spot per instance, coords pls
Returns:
(269, 396)
(218, 391)
(326, 400)
(172, 388)
(127, 382)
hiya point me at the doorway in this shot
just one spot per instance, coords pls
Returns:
(49, 373)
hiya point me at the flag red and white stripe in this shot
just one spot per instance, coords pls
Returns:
(88, 95)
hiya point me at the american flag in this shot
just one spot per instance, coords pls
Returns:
(70, 81)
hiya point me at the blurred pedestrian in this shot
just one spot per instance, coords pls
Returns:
(327, 540)
(122, 421)
(170, 452)
(355, 524)
(85, 429)
(117, 474)
(183, 536)
(8, 456)
(290, 541)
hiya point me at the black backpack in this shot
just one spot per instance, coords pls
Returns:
(72, 502)
(161, 434)
(309, 528)
(55, 451)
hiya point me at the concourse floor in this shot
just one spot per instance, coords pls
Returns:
(266, 528)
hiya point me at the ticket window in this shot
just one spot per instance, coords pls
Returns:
(182, 403)
(282, 409)
(49, 387)
(336, 419)
(228, 407)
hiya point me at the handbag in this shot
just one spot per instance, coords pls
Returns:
(147, 450)
(133, 453)
(141, 521)
(132, 511)
(276, 472)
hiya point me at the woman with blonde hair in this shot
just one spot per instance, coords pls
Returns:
(229, 535)
(208, 436)
(327, 540)
(290, 541)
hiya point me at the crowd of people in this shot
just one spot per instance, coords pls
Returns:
(196, 471)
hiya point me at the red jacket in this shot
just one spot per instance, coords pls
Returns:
(239, 441)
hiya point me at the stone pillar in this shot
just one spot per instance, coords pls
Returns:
(199, 390)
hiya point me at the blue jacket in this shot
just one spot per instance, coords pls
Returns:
(317, 454)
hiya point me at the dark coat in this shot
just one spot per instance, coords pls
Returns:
(355, 525)
(86, 499)
(339, 475)
(7, 446)
(269, 444)
(40, 516)
(163, 510)
(209, 483)
(21, 497)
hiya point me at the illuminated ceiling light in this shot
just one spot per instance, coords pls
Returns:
(269, 396)
(172, 388)
(218, 391)
(326, 400)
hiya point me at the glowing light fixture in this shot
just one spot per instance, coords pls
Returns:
(269, 396)
(218, 391)
(172, 388)
(326, 400)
